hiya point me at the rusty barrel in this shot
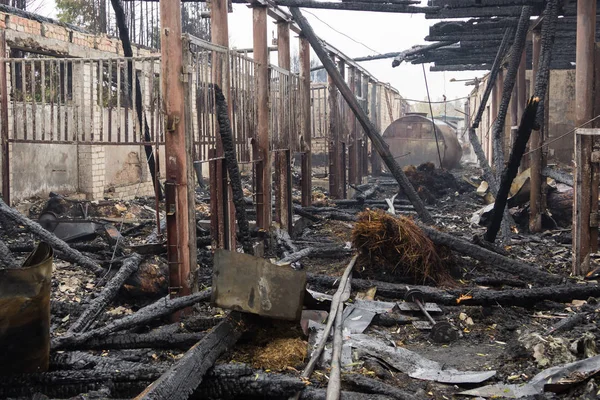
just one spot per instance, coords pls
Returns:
(25, 314)
(412, 141)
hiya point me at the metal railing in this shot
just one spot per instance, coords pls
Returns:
(83, 101)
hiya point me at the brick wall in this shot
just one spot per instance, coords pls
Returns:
(87, 163)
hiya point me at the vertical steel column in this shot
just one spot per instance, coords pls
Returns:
(584, 93)
(4, 122)
(263, 167)
(344, 136)
(222, 209)
(181, 240)
(305, 125)
(282, 159)
(352, 132)
(335, 156)
(535, 157)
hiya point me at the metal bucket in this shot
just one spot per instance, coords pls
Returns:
(25, 314)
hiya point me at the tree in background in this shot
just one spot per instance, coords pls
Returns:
(142, 18)
(319, 75)
(88, 14)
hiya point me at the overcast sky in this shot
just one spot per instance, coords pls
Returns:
(381, 32)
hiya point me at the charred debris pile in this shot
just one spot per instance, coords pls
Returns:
(381, 289)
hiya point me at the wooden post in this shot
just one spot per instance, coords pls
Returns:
(335, 156)
(305, 120)
(344, 134)
(181, 237)
(4, 122)
(584, 91)
(375, 160)
(522, 98)
(352, 135)
(496, 108)
(364, 155)
(223, 211)
(263, 168)
(535, 157)
(282, 158)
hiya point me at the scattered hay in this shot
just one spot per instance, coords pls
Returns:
(275, 346)
(319, 198)
(278, 355)
(281, 354)
(397, 246)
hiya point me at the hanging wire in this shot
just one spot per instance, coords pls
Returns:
(432, 120)
(341, 33)
(563, 135)
(437, 102)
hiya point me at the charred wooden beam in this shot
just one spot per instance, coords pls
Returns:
(478, 12)
(6, 257)
(152, 340)
(233, 169)
(483, 163)
(130, 265)
(180, 381)
(464, 67)
(507, 90)
(364, 384)
(519, 268)
(375, 137)
(478, 297)
(558, 176)
(391, 8)
(512, 169)
(57, 244)
(161, 308)
(482, 3)
(415, 51)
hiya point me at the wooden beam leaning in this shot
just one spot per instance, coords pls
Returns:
(584, 75)
(509, 82)
(370, 130)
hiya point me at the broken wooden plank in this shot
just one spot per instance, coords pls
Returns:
(161, 308)
(130, 265)
(378, 143)
(180, 381)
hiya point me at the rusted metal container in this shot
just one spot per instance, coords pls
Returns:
(25, 314)
(412, 142)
